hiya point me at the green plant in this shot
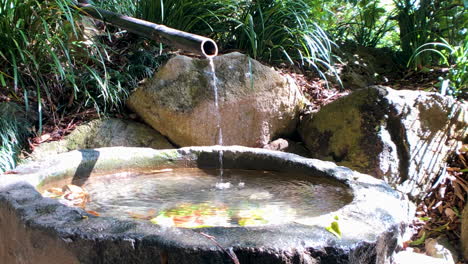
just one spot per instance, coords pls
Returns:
(49, 60)
(283, 30)
(268, 30)
(13, 132)
(456, 81)
(126, 7)
(427, 21)
(204, 17)
(27, 31)
(458, 73)
(367, 23)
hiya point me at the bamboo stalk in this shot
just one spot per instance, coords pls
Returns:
(172, 37)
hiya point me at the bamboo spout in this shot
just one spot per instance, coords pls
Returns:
(172, 37)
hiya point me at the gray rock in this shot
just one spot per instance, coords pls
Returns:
(42, 230)
(256, 103)
(464, 232)
(441, 248)
(287, 145)
(408, 257)
(402, 136)
(109, 132)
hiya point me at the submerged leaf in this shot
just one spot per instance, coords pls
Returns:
(193, 216)
(149, 215)
(70, 195)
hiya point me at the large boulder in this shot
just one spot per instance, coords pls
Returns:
(111, 132)
(256, 104)
(402, 137)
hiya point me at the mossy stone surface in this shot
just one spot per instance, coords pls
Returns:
(401, 136)
(340, 131)
(255, 103)
(108, 132)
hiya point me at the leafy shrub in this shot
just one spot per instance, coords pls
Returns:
(365, 22)
(126, 7)
(204, 17)
(427, 21)
(48, 58)
(268, 30)
(456, 81)
(13, 131)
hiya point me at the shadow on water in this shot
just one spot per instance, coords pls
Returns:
(89, 158)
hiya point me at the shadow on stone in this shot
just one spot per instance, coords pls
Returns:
(86, 166)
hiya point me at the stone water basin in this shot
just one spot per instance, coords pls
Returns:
(276, 210)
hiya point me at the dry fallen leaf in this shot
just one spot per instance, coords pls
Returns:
(92, 212)
(44, 138)
(450, 213)
(458, 190)
(53, 192)
(10, 172)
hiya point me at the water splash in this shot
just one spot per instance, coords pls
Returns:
(220, 185)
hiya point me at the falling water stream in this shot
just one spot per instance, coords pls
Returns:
(220, 184)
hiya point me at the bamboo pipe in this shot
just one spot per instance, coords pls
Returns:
(172, 37)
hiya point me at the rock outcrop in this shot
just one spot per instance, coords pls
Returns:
(110, 132)
(402, 136)
(256, 104)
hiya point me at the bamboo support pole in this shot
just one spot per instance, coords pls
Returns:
(172, 37)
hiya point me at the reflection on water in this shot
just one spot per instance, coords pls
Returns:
(189, 198)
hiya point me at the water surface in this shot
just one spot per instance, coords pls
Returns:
(189, 197)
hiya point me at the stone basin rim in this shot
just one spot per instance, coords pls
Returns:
(358, 227)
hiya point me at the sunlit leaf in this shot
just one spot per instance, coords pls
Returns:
(334, 228)
(419, 241)
(424, 218)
